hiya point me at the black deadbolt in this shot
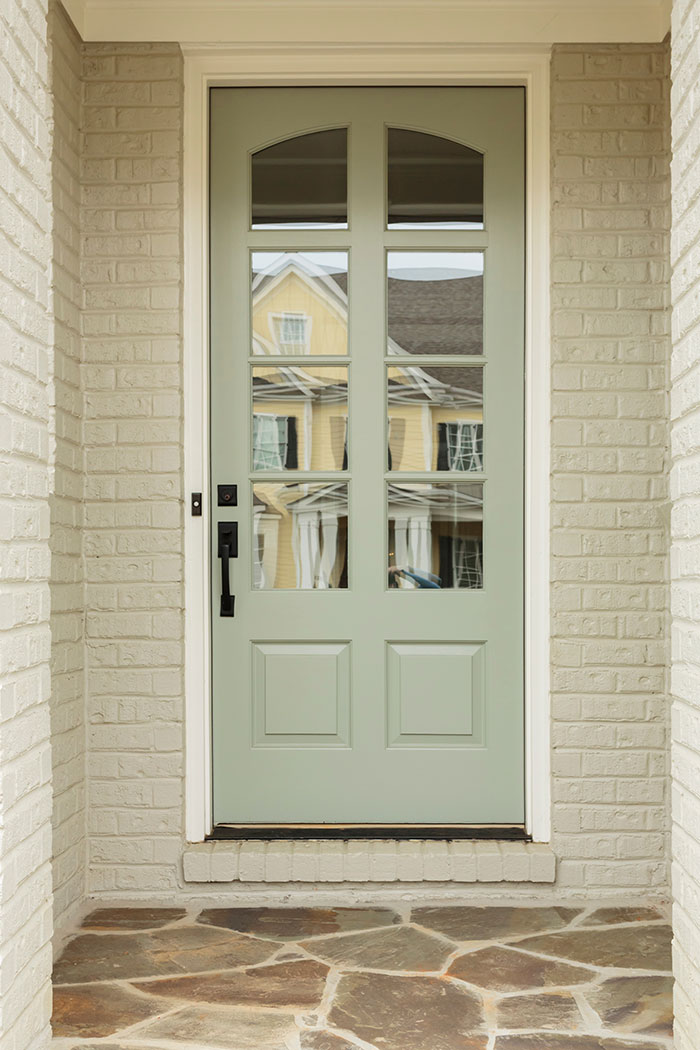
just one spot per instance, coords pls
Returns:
(227, 495)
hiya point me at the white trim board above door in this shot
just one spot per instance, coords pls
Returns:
(529, 71)
(522, 23)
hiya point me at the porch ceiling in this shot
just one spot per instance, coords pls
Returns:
(394, 23)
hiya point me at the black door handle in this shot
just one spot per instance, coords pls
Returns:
(227, 599)
(228, 548)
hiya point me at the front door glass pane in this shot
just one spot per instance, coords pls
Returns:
(302, 182)
(300, 536)
(300, 303)
(433, 183)
(435, 302)
(435, 536)
(436, 418)
(300, 417)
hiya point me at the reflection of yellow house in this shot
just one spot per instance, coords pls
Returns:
(300, 413)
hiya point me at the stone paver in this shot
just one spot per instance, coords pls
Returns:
(371, 978)
(228, 1029)
(635, 1004)
(492, 924)
(551, 1010)
(98, 1010)
(611, 916)
(408, 1013)
(543, 1041)
(508, 970)
(293, 924)
(325, 1041)
(399, 948)
(626, 947)
(184, 949)
(132, 918)
(298, 984)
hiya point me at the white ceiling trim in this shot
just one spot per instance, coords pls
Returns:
(372, 22)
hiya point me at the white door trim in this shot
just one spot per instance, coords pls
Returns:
(270, 65)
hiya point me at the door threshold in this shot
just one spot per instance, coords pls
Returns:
(443, 832)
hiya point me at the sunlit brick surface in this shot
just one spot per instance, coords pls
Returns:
(685, 493)
(25, 471)
(610, 348)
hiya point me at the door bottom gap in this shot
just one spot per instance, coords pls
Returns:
(443, 832)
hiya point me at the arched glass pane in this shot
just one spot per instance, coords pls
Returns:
(302, 182)
(433, 183)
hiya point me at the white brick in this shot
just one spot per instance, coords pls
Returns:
(489, 862)
(278, 862)
(30, 465)
(251, 862)
(685, 521)
(363, 861)
(223, 864)
(609, 295)
(542, 862)
(196, 865)
(463, 861)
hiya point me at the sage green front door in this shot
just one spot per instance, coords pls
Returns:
(367, 315)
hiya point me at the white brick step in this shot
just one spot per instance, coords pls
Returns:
(301, 860)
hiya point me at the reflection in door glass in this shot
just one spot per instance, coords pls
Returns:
(436, 418)
(433, 182)
(300, 303)
(435, 302)
(300, 536)
(435, 536)
(300, 417)
(302, 182)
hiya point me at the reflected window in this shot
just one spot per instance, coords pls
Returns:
(467, 557)
(302, 182)
(300, 536)
(435, 536)
(435, 302)
(460, 446)
(291, 333)
(299, 303)
(436, 417)
(300, 417)
(433, 182)
(271, 442)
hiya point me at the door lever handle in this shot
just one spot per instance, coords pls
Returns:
(228, 548)
(228, 600)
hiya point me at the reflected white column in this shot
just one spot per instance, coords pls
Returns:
(308, 549)
(419, 542)
(329, 532)
(266, 536)
(401, 545)
(427, 428)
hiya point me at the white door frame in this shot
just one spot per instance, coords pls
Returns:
(283, 65)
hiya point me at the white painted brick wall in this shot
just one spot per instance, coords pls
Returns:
(132, 274)
(610, 325)
(685, 492)
(25, 381)
(67, 596)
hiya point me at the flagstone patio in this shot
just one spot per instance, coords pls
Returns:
(437, 978)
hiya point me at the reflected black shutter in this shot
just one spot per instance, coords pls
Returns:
(291, 461)
(442, 458)
(446, 574)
